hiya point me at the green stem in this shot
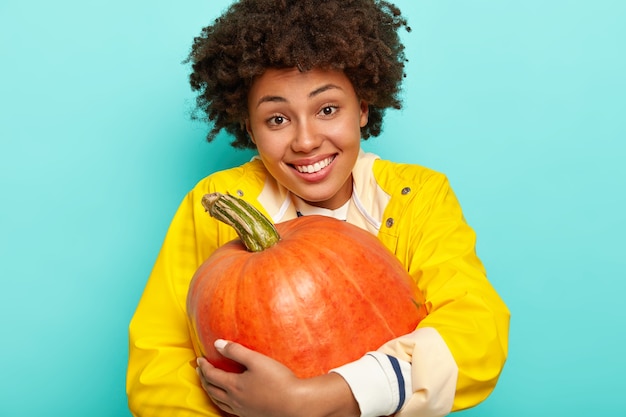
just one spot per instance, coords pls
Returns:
(254, 229)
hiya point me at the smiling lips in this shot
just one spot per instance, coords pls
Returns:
(316, 167)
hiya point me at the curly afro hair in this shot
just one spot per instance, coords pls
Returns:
(359, 37)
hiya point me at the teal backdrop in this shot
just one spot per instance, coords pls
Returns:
(521, 104)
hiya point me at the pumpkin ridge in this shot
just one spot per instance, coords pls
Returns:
(383, 265)
(323, 335)
(255, 318)
(321, 285)
(229, 306)
(347, 270)
(296, 286)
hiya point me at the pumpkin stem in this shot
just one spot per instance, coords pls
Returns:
(254, 229)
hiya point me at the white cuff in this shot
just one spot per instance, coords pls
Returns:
(434, 372)
(381, 384)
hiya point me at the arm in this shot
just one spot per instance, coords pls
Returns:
(161, 376)
(467, 325)
(454, 358)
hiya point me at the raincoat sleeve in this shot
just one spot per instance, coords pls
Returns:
(161, 376)
(459, 350)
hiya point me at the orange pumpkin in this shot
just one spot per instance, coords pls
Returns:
(313, 293)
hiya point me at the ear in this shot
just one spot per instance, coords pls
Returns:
(365, 112)
(249, 130)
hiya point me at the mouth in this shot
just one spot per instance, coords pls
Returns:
(316, 167)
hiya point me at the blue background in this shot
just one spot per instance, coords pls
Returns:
(521, 104)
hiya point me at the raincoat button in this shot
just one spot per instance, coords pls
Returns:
(406, 190)
(240, 193)
(389, 222)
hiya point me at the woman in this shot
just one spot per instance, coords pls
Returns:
(304, 82)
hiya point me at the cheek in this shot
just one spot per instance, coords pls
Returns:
(270, 147)
(349, 134)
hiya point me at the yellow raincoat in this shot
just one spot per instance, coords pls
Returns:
(420, 221)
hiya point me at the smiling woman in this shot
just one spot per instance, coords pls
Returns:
(304, 96)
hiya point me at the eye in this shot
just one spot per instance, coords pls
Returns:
(276, 120)
(328, 110)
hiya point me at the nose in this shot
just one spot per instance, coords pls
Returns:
(306, 138)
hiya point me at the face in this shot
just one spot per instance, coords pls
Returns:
(307, 129)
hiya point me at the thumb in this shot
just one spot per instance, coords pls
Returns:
(234, 351)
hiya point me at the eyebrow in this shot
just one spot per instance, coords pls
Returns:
(279, 99)
(322, 89)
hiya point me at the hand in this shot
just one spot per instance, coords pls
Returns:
(253, 392)
(268, 388)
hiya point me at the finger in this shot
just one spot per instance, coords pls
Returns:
(217, 394)
(209, 372)
(217, 383)
(204, 364)
(236, 352)
(205, 384)
(222, 405)
(211, 377)
(204, 368)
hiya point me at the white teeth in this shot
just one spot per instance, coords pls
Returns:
(318, 166)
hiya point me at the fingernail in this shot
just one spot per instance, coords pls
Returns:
(220, 344)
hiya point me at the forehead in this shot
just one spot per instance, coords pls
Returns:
(290, 82)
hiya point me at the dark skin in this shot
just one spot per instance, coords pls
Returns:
(253, 393)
